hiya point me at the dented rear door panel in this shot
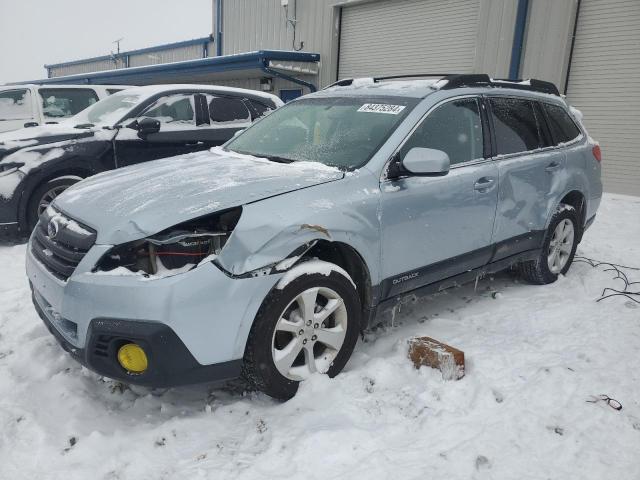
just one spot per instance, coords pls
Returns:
(531, 186)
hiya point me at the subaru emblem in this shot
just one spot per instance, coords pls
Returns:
(53, 228)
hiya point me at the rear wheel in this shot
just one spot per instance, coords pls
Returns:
(44, 195)
(558, 249)
(310, 326)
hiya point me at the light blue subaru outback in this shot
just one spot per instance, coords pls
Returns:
(265, 258)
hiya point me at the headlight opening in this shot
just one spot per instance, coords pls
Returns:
(179, 248)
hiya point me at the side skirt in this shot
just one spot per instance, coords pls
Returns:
(456, 280)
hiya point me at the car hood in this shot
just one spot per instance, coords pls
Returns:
(15, 140)
(135, 202)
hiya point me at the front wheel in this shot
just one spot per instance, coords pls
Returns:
(558, 249)
(310, 326)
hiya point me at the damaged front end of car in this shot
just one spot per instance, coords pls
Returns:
(176, 249)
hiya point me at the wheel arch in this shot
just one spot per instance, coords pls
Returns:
(40, 179)
(577, 200)
(349, 259)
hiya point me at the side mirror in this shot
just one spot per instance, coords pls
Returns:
(426, 162)
(238, 132)
(145, 127)
(30, 124)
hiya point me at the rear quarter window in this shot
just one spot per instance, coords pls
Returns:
(562, 127)
(227, 110)
(260, 109)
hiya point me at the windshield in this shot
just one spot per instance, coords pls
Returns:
(107, 111)
(337, 131)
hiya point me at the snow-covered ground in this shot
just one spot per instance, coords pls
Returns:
(534, 354)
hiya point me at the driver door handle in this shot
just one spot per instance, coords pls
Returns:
(484, 184)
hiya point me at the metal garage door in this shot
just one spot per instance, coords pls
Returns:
(604, 82)
(408, 36)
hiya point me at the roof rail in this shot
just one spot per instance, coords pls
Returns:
(413, 75)
(531, 84)
(346, 82)
(459, 80)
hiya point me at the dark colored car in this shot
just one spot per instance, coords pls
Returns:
(133, 126)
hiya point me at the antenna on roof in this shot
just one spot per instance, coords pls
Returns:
(117, 42)
(115, 56)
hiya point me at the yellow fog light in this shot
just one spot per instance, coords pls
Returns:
(132, 358)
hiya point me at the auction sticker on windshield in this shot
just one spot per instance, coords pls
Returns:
(381, 108)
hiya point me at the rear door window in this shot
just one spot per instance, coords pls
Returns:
(563, 128)
(60, 103)
(15, 105)
(515, 125)
(227, 111)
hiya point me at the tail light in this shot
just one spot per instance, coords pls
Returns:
(597, 153)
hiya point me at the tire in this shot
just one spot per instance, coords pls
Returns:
(44, 194)
(561, 240)
(278, 328)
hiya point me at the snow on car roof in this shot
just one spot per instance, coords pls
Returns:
(418, 88)
(60, 86)
(149, 90)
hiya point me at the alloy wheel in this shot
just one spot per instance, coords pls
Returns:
(309, 333)
(560, 246)
(49, 197)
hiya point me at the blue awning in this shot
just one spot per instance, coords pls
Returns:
(262, 63)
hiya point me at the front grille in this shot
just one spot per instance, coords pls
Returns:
(60, 243)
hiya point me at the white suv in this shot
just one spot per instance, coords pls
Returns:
(31, 105)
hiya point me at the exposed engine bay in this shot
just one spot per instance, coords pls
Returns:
(181, 247)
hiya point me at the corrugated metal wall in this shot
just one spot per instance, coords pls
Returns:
(250, 25)
(604, 82)
(190, 52)
(496, 22)
(87, 67)
(548, 40)
(408, 36)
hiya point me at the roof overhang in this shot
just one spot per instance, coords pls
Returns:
(258, 64)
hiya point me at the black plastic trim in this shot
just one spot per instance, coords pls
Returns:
(469, 262)
(457, 280)
(409, 281)
(487, 127)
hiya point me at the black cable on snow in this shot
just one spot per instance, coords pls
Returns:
(620, 274)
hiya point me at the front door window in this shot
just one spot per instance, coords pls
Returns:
(174, 112)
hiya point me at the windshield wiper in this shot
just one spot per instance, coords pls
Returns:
(84, 125)
(276, 158)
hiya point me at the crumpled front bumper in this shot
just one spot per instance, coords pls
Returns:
(193, 325)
